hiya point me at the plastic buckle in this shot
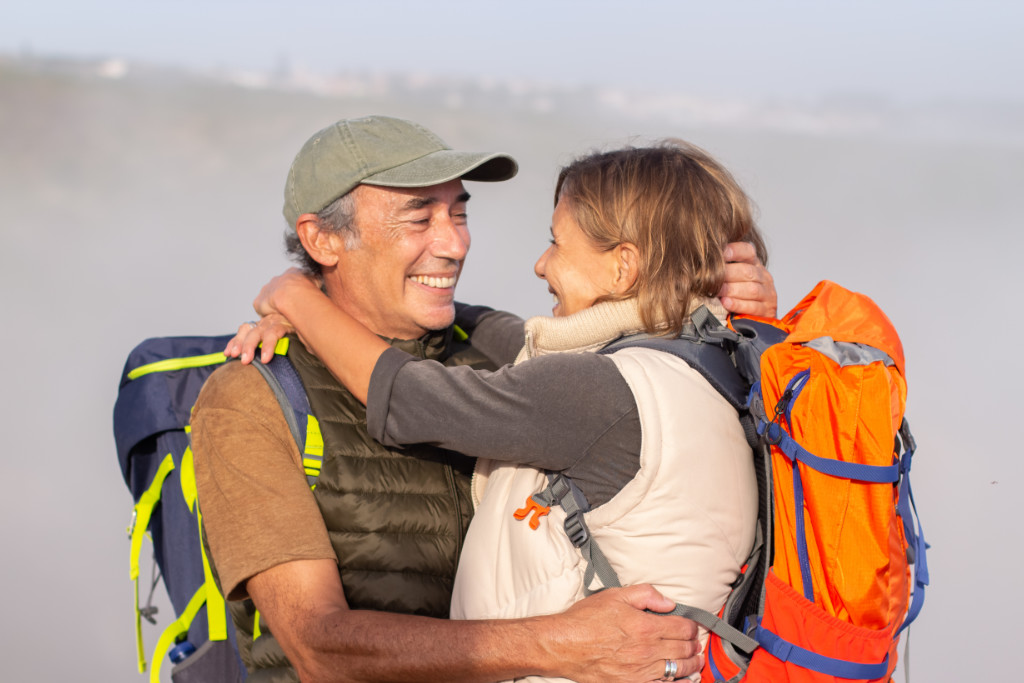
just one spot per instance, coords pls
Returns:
(576, 529)
(909, 443)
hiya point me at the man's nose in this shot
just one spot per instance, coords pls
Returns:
(451, 240)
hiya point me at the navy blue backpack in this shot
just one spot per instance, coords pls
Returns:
(161, 380)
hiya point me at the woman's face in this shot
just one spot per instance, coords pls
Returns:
(577, 272)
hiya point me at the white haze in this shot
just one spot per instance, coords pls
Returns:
(138, 203)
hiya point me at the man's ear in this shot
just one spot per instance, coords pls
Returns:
(321, 245)
(627, 263)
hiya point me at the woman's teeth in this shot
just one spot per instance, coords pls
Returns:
(435, 282)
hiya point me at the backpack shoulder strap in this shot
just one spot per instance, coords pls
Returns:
(285, 383)
(706, 345)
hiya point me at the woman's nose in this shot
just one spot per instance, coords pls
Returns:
(541, 265)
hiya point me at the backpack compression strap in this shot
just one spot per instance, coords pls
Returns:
(562, 491)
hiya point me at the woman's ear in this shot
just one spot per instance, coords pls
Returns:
(321, 245)
(627, 262)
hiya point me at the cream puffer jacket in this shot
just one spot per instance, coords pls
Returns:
(684, 523)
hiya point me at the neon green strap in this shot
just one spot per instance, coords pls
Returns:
(216, 610)
(313, 458)
(169, 364)
(141, 514)
(171, 634)
(187, 475)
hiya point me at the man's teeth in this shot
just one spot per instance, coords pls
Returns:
(436, 282)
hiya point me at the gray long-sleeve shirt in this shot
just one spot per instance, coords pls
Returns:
(565, 412)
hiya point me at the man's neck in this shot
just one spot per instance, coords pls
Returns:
(371, 321)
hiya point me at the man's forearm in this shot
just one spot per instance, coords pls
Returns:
(358, 645)
(607, 637)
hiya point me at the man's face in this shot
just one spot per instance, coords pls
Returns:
(400, 280)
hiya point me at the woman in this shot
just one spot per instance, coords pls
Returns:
(658, 455)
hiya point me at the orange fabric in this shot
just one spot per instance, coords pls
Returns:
(855, 540)
(790, 616)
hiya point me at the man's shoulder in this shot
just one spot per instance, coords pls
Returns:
(232, 383)
(236, 413)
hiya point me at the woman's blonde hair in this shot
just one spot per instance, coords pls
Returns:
(678, 206)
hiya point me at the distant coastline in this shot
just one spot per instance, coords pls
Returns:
(839, 115)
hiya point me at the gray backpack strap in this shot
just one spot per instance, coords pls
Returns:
(716, 626)
(562, 491)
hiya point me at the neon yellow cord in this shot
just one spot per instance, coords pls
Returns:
(177, 364)
(141, 515)
(175, 630)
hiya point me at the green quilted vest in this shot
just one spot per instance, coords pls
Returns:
(396, 519)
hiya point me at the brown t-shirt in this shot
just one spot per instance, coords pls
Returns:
(258, 510)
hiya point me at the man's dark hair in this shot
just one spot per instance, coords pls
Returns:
(339, 217)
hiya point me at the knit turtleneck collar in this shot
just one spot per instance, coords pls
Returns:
(592, 328)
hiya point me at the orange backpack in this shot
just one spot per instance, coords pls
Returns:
(827, 589)
(833, 589)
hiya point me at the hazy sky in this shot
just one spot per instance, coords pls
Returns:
(913, 50)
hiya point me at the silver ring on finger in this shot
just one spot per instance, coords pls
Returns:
(252, 324)
(670, 670)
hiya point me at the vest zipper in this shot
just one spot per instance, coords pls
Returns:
(449, 474)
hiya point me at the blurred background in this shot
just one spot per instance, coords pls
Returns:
(143, 151)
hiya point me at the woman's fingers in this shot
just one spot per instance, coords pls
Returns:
(235, 344)
(263, 334)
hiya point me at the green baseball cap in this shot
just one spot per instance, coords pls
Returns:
(384, 151)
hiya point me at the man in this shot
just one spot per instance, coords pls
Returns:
(352, 579)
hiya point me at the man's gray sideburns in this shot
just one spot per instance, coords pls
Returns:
(337, 217)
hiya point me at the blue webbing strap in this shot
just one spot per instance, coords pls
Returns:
(874, 474)
(288, 390)
(908, 511)
(793, 389)
(801, 534)
(788, 652)
(711, 662)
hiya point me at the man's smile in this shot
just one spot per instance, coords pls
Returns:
(434, 282)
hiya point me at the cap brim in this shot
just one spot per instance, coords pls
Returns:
(444, 165)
